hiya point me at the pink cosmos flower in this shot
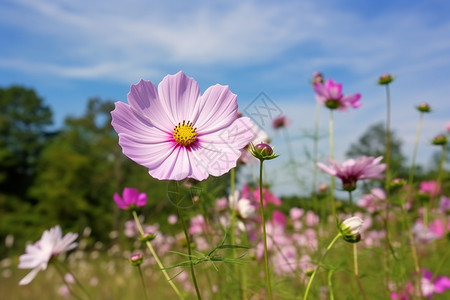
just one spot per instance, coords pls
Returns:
(330, 94)
(429, 287)
(352, 170)
(130, 197)
(374, 201)
(38, 255)
(177, 133)
(430, 188)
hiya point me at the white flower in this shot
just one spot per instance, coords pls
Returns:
(350, 229)
(38, 255)
(242, 206)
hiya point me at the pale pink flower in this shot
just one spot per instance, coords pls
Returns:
(296, 213)
(197, 225)
(177, 133)
(374, 201)
(330, 94)
(38, 255)
(447, 127)
(130, 198)
(350, 171)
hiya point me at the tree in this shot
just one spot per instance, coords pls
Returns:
(23, 120)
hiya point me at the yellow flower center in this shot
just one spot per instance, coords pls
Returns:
(184, 133)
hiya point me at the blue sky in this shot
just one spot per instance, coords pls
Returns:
(70, 51)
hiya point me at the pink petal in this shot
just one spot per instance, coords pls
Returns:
(179, 94)
(143, 99)
(217, 109)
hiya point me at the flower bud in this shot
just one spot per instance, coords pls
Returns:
(136, 259)
(262, 151)
(424, 107)
(147, 237)
(397, 183)
(440, 140)
(350, 228)
(385, 79)
(317, 77)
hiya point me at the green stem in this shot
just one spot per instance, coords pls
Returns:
(61, 273)
(142, 281)
(188, 242)
(333, 184)
(237, 269)
(416, 144)
(418, 277)
(155, 256)
(315, 154)
(330, 284)
(441, 264)
(318, 266)
(263, 219)
(387, 186)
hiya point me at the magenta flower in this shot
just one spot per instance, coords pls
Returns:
(330, 94)
(430, 188)
(280, 122)
(429, 285)
(177, 133)
(130, 198)
(38, 255)
(353, 170)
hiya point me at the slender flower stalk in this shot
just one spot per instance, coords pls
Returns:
(333, 180)
(264, 152)
(313, 275)
(315, 153)
(155, 256)
(61, 273)
(263, 220)
(141, 276)
(233, 232)
(386, 79)
(413, 160)
(136, 260)
(188, 242)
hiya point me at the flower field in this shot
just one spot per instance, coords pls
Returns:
(371, 230)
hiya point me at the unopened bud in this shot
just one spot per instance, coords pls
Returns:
(262, 151)
(350, 229)
(424, 107)
(385, 79)
(440, 140)
(136, 259)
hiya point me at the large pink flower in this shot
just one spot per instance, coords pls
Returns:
(177, 133)
(330, 94)
(352, 170)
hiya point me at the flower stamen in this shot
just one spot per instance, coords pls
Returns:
(184, 133)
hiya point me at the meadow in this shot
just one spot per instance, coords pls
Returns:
(195, 229)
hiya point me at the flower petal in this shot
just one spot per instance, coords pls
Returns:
(30, 276)
(143, 99)
(178, 94)
(217, 109)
